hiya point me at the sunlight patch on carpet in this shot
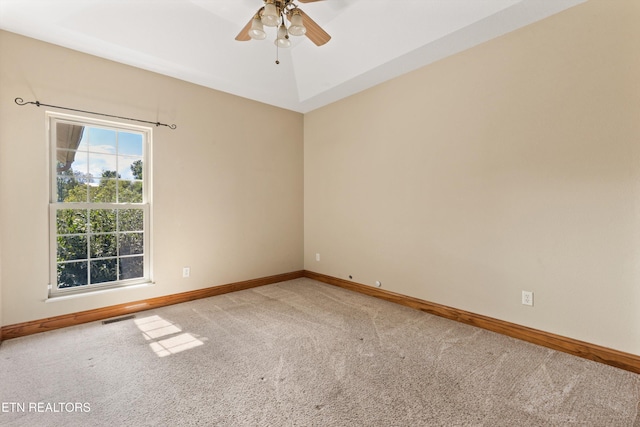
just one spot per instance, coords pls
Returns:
(154, 327)
(175, 344)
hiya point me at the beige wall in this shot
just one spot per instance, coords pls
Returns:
(511, 166)
(227, 199)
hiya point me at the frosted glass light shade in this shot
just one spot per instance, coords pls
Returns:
(297, 28)
(283, 39)
(257, 32)
(270, 15)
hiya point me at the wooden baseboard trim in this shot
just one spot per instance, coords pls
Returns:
(57, 322)
(619, 359)
(608, 356)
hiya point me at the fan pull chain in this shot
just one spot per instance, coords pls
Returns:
(277, 47)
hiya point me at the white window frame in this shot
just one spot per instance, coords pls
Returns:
(52, 118)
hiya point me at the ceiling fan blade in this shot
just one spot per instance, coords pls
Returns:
(308, 1)
(243, 35)
(314, 32)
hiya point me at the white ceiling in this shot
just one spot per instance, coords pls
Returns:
(193, 40)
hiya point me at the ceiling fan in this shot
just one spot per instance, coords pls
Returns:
(272, 14)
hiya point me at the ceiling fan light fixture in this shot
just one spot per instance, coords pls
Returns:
(257, 32)
(270, 15)
(297, 27)
(276, 13)
(283, 37)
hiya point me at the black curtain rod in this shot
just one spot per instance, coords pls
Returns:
(21, 101)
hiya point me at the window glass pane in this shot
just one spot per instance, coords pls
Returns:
(103, 245)
(71, 221)
(71, 160)
(131, 220)
(131, 243)
(130, 167)
(68, 136)
(102, 140)
(72, 247)
(70, 190)
(103, 220)
(130, 144)
(72, 176)
(104, 270)
(129, 191)
(131, 267)
(72, 274)
(102, 165)
(84, 142)
(105, 192)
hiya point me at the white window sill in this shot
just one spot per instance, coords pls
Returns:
(56, 298)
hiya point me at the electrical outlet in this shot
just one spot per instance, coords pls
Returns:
(527, 298)
(317, 257)
(186, 271)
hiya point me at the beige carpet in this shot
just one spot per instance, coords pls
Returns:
(301, 353)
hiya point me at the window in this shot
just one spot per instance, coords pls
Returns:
(100, 205)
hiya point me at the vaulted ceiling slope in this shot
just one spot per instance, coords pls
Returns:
(193, 40)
